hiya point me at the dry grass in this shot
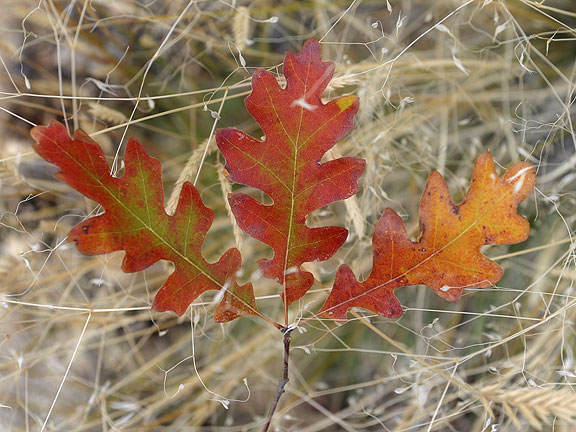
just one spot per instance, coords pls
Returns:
(440, 82)
(535, 405)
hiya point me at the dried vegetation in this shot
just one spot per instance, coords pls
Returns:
(440, 82)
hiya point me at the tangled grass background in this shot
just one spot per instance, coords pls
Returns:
(439, 83)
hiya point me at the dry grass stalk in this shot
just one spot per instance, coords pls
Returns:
(189, 172)
(241, 27)
(226, 187)
(106, 114)
(343, 81)
(9, 175)
(536, 405)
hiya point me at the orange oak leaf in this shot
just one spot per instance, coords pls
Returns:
(299, 129)
(136, 222)
(447, 256)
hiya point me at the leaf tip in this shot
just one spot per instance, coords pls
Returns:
(346, 102)
(311, 49)
(38, 132)
(339, 300)
(237, 301)
(389, 223)
(522, 176)
(47, 137)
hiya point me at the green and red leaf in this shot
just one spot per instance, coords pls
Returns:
(136, 222)
(299, 129)
(447, 256)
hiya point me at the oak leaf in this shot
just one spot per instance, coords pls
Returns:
(136, 222)
(299, 129)
(447, 257)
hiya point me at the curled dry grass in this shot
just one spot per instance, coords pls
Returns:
(440, 82)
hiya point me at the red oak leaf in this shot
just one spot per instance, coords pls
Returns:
(135, 221)
(447, 256)
(299, 129)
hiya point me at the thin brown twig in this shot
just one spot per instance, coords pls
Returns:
(287, 332)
